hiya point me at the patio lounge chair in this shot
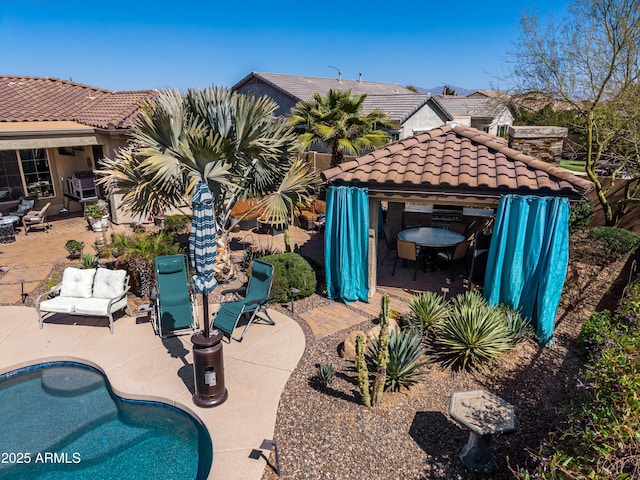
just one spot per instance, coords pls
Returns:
(172, 306)
(24, 205)
(36, 218)
(254, 301)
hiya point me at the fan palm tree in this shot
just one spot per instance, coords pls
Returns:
(231, 141)
(338, 121)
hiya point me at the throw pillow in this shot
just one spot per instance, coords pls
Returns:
(109, 283)
(77, 282)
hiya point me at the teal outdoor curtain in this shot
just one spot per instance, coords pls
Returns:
(528, 258)
(346, 243)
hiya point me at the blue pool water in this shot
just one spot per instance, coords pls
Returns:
(62, 421)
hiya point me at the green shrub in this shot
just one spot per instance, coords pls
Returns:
(600, 440)
(430, 308)
(51, 281)
(630, 303)
(325, 375)
(406, 359)
(176, 224)
(473, 334)
(136, 254)
(616, 242)
(595, 331)
(580, 215)
(290, 270)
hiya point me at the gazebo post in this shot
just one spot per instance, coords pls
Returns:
(372, 261)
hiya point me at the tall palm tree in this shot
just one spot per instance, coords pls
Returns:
(338, 121)
(231, 141)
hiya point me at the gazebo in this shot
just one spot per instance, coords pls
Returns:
(455, 166)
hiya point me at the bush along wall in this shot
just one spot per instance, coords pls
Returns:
(602, 436)
(290, 270)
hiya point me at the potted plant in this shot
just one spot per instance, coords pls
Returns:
(74, 248)
(157, 217)
(97, 216)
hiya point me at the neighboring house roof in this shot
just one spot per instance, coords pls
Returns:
(302, 88)
(39, 99)
(456, 164)
(472, 107)
(486, 94)
(400, 107)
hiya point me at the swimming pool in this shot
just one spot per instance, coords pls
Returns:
(61, 420)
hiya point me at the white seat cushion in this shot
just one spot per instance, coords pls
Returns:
(98, 306)
(77, 282)
(59, 304)
(109, 283)
(92, 306)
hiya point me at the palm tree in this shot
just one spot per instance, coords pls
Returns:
(231, 141)
(338, 121)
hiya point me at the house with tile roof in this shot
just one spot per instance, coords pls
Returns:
(489, 114)
(53, 132)
(414, 112)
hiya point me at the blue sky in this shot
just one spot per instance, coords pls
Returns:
(141, 44)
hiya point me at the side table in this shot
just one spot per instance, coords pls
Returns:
(7, 231)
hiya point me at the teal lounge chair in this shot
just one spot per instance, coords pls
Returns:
(172, 302)
(254, 301)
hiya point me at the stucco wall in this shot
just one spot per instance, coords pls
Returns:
(424, 119)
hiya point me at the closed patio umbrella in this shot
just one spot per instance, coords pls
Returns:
(202, 247)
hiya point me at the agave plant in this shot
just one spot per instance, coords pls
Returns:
(325, 375)
(88, 261)
(430, 308)
(406, 359)
(473, 334)
(520, 326)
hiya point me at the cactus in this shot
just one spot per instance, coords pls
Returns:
(383, 351)
(363, 371)
(287, 241)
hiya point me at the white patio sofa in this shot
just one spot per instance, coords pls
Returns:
(87, 292)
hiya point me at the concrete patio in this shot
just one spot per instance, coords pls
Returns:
(141, 365)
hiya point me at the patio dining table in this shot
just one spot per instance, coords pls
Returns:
(431, 238)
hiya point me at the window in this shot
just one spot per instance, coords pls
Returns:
(10, 178)
(502, 131)
(37, 174)
(25, 172)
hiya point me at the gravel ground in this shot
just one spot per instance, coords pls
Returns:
(328, 434)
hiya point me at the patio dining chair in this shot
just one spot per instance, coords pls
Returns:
(36, 218)
(457, 255)
(390, 242)
(407, 251)
(246, 302)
